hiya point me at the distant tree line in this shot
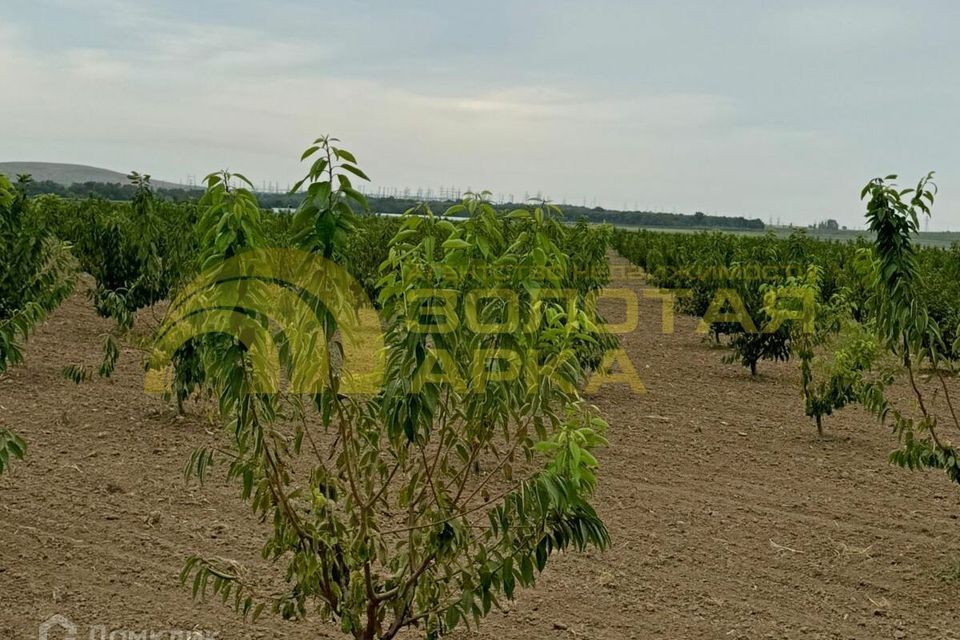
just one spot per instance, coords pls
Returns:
(571, 213)
(827, 225)
(107, 191)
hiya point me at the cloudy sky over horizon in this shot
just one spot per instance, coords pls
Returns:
(769, 110)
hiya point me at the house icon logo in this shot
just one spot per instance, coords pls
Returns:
(49, 628)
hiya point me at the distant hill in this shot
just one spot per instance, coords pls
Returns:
(68, 174)
(81, 181)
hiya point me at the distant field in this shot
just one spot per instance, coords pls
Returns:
(941, 239)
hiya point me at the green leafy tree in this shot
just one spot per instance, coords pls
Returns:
(844, 374)
(754, 339)
(230, 223)
(750, 347)
(588, 274)
(836, 353)
(136, 251)
(37, 273)
(903, 324)
(426, 503)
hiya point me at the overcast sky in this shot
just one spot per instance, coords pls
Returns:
(763, 109)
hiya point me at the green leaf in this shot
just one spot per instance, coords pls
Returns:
(355, 171)
(343, 154)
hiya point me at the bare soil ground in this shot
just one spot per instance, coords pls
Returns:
(730, 518)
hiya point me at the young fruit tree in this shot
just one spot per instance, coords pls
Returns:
(904, 327)
(835, 352)
(36, 273)
(136, 252)
(428, 500)
(753, 339)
